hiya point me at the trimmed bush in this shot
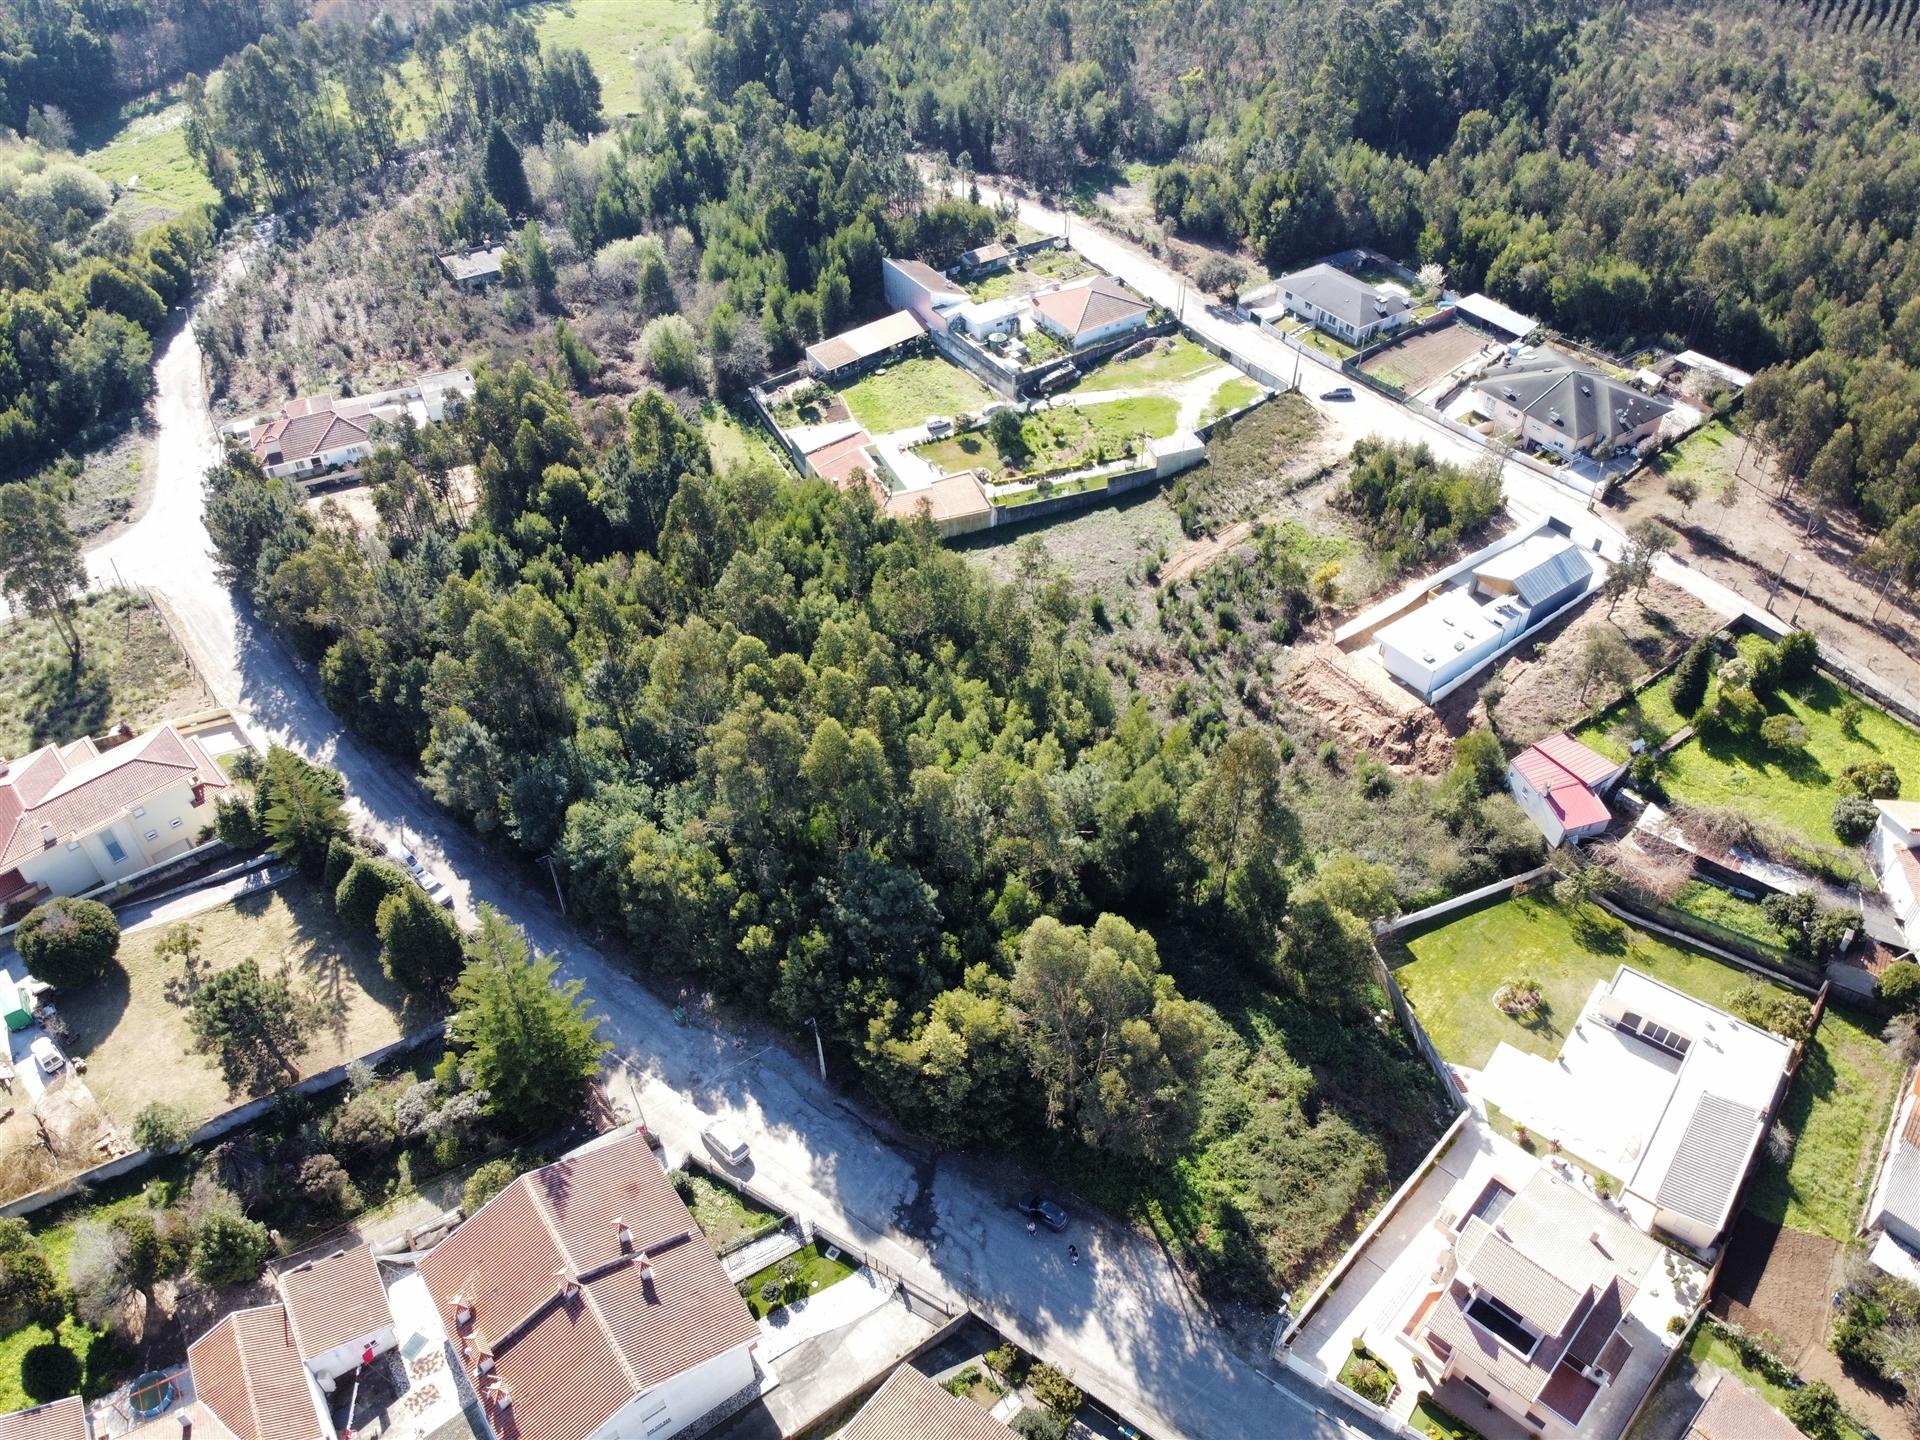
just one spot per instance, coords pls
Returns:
(161, 1127)
(68, 942)
(420, 944)
(366, 884)
(1900, 986)
(1871, 779)
(49, 1371)
(493, 1177)
(1798, 652)
(1853, 819)
(228, 1249)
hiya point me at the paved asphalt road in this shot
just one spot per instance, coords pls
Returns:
(1121, 1321)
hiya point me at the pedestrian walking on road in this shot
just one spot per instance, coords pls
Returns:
(1030, 1229)
(1073, 1253)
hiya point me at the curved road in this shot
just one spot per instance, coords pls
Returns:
(1122, 1322)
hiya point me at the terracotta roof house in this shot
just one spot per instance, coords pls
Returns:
(1551, 402)
(1733, 1411)
(584, 1304)
(1087, 312)
(909, 1406)
(843, 355)
(307, 444)
(1895, 848)
(62, 1419)
(984, 259)
(1542, 1306)
(1342, 305)
(842, 460)
(76, 816)
(954, 504)
(315, 433)
(247, 1371)
(336, 1309)
(1559, 782)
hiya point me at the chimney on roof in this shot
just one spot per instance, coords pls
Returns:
(485, 1365)
(47, 838)
(502, 1395)
(623, 1233)
(1594, 1239)
(646, 1271)
(186, 1426)
(462, 1312)
(566, 1284)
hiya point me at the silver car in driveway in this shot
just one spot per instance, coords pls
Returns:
(435, 887)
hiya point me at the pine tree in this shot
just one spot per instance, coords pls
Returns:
(506, 176)
(40, 568)
(531, 1044)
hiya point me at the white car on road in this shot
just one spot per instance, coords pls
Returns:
(47, 1056)
(723, 1142)
(435, 887)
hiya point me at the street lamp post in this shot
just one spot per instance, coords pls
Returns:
(819, 1049)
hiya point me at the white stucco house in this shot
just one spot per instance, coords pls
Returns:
(1549, 401)
(317, 434)
(1559, 783)
(1090, 312)
(1895, 847)
(1342, 305)
(77, 816)
(916, 286)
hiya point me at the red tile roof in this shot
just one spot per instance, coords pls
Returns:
(1089, 304)
(298, 437)
(1733, 1412)
(911, 1407)
(836, 461)
(637, 1313)
(247, 1371)
(42, 792)
(62, 1419)
(335, 1301)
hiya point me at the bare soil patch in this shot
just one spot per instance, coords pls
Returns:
(1420, 360)
(1541, 690)
(1196, 555)
(1748, 544)
(1370, 715)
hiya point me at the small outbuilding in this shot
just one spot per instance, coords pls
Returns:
(1558, 781)
(474, 268)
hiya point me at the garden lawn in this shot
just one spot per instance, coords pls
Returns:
(1062, 439)
(1742, 773)
(1709, 1348)
(1709, 456)
(101, 1358)
(1232, 395)
(136, 1041)
(817, 1272)
(722, 1212)
(1182, 360)
(1455, 970)
(1430, 1419)
(1837, 1109)
(912, 392)
(733, 442)
(614, 33)
(130, 670)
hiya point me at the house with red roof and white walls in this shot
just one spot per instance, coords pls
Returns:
(1895, 847)
(1559, 783)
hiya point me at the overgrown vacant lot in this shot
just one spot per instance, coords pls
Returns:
(1837, 1112)
(1063, 438)
(911, 392)
(1269, 454)
(143, 150)
(1308, 1123)
(616, 35)
(1737, 772)
(136, 1042)
(1455, 969)
(130, 670)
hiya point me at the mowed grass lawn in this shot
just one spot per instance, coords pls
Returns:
(1742, 773)
(1455, 970)
(136, 1042)
(1168, 364)
(1064, 438)
(817, 1272)
(1837, 1110)
(912, 392)
(130, 670)
(1231, 395)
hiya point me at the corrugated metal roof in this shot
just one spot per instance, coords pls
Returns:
(1900, 1197)
(863, 342)
(911, 1407)
(1588, 765)
(1711, 1158)
(1539, 568)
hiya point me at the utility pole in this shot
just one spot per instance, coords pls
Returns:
(554, 875)
(819, 1049)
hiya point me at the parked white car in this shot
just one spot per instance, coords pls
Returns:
(723, 1142)
(435, 887)
(47, 1056)
(939, 425)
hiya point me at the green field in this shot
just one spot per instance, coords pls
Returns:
(1742, 773)
(1709, 456)
(1232, 395)
(614, 33)
(911, 392)
(1455, 970)
(1837, 1110)
(145, 152)
(1181, 360)
(1060, 439)
(1744, 920)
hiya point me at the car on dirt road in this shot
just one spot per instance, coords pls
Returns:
(723, 1142)
(435, 887)
(1045, 1211)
